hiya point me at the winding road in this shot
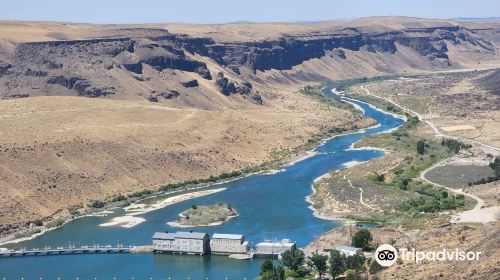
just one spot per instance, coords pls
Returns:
(487, 148)
(478, 214)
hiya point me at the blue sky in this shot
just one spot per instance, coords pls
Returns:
(220, 11)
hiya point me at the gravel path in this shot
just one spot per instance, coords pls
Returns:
(478, 214)
(486, 148)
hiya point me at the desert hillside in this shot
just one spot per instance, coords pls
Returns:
(459, 104)
(179, 64)
(90, 111)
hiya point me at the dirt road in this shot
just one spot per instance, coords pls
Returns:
(478, 214)
(485, 147)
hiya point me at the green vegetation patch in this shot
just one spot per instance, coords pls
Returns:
(377, 102)
(211, 179)
(415, 204)
(203, 215)
(420, 153)
(28, 233)
(315, 93)
(55, 223)
(294, 265)
(280, 153)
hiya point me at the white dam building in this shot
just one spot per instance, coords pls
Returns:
(229, 244)
(183, 242)
(273, 249)
(349, 251)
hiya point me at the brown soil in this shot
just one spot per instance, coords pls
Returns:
(59, 151)
(449, 101)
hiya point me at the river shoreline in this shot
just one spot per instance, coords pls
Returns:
(279, 165)
(301, 154)
(350, 164)
(266, 203)
(179, 225)
(46, 230)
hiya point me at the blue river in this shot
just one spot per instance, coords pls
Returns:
(270, 206)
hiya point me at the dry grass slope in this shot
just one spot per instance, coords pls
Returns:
(60, 151)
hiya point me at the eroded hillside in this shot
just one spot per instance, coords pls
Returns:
(152, 63)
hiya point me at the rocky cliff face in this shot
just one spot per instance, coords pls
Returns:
(61, 62)
(92, 68)
(287, 52)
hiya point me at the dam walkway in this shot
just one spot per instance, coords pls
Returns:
(95, 249)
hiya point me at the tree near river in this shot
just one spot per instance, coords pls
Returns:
(319, 262)
(293, 259)
(362, 239)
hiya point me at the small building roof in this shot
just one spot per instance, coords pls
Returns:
(275, 244)
(347, 248)
(179, 234)
(227, 236)
(190, 235)
(164, 235)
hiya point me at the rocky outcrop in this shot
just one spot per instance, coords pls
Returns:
(224, 85)
(40, 51)
(244, 88)
(227, 87)
(131, 53)
(35, 73)
(168, 52)
(81, 86)
(84, 88)
(4, 67)
(166, 55)
(191, 83)
(153, 98)
(339, 53)
(67, 82)
(204, 72)
(133, 67)
(257, 99)
(289, 51)
(171, 94)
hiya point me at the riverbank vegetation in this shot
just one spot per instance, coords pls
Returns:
(205, 215)
(362, 239)
(315, 92)
(294, 265)
(388, 190)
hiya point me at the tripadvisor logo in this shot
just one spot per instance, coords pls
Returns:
(442, 255)
(386, 255)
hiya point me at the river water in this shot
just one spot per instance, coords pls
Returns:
(270, 206)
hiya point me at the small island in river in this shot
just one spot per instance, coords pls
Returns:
(205, 215)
